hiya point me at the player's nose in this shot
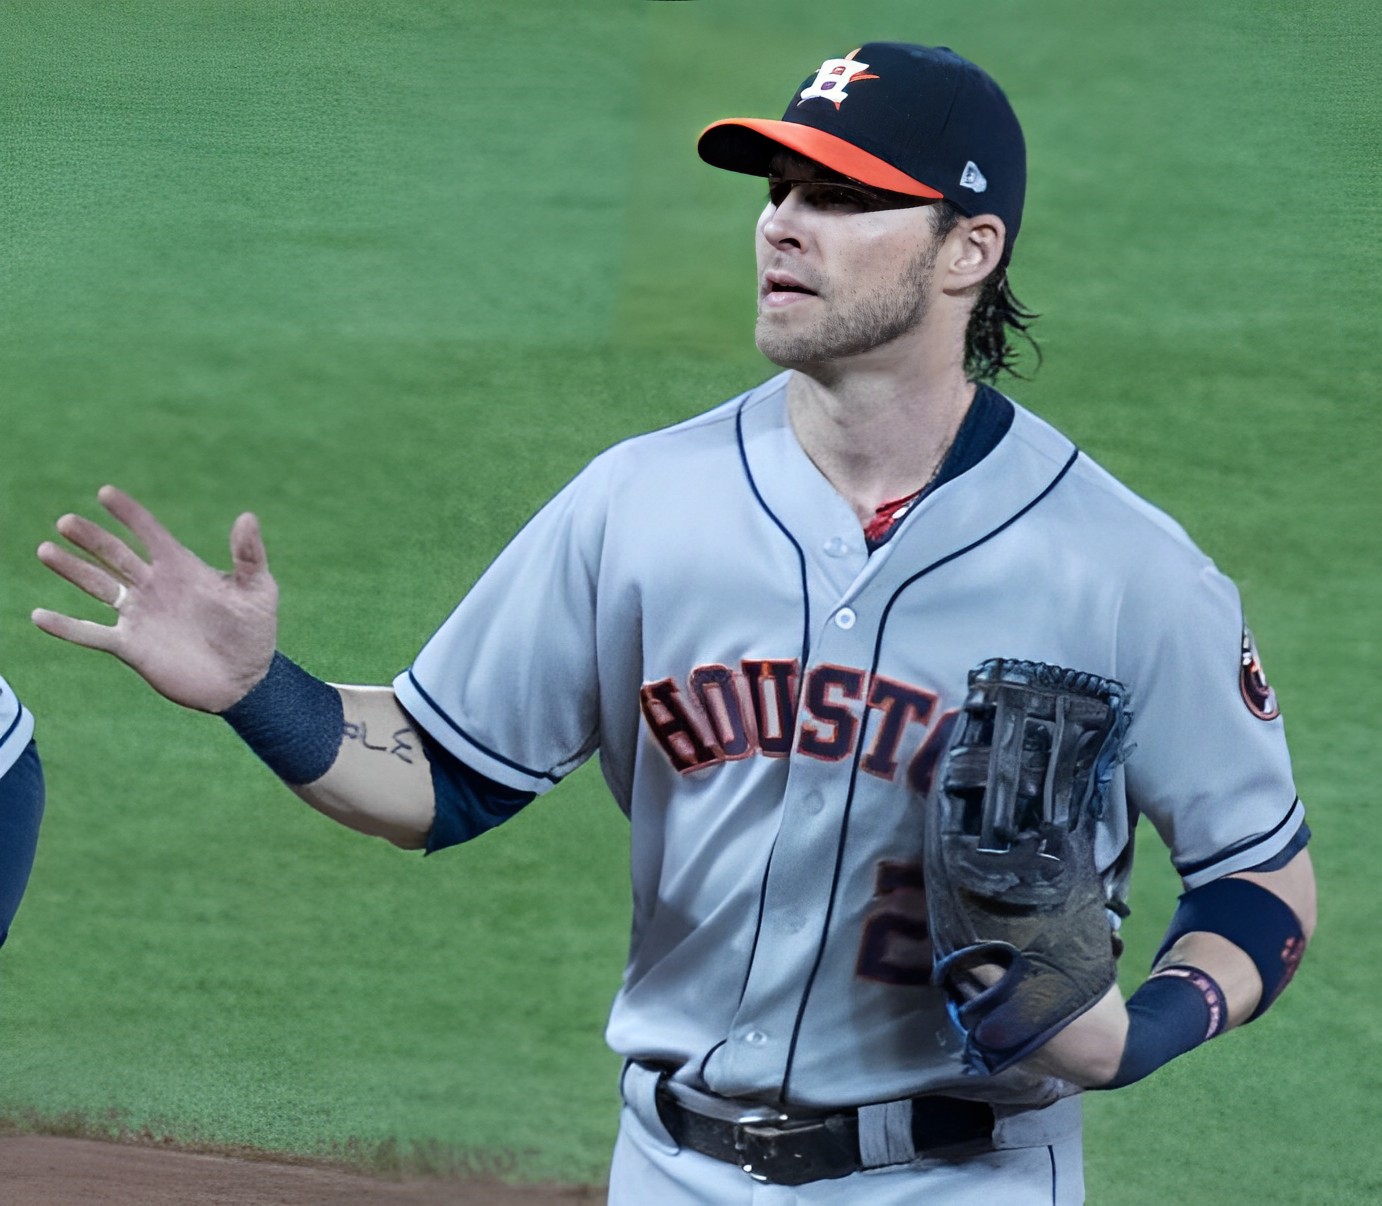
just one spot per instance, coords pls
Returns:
(783, 225)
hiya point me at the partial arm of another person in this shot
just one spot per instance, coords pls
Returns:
(21, 811)
(206, 640)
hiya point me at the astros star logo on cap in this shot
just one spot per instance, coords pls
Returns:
(833, 77)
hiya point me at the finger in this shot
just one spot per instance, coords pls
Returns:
(137, 517)
(96, 581)
(79, 632)
(105, 546)
(247, 549)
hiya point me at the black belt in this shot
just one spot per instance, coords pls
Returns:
(789, 1147)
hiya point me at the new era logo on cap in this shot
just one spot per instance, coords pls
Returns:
(973, 178)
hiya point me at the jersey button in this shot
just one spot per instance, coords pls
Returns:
(755, 1038)
(814, 802)
(836, 546)
(844, 618)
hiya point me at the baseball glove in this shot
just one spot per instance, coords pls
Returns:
(1022, 941)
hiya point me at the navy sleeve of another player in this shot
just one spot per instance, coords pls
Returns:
(21, 810)
(467, 802)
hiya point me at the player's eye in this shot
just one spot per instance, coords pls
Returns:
(832, 196)
(779, 190)
(840, 196)
(824, 195)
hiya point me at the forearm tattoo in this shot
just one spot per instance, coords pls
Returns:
(401, 743)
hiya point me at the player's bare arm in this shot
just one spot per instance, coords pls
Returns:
(380, 782)
(206, 639)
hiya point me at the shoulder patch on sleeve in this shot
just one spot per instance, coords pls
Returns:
(1252, 679)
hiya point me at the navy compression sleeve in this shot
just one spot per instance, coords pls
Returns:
(1172, 1013)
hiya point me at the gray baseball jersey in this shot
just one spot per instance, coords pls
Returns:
(768, 699)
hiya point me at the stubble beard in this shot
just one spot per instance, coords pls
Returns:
(875, 319)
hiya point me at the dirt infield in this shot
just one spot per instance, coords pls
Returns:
(40, 1171)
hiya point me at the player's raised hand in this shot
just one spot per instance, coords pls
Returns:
(198, 636)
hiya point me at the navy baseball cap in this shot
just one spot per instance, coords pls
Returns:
(918, 120)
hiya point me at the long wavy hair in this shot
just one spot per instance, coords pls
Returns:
(998, 317)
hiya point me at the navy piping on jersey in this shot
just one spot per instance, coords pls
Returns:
(801, 678)
(484, 749)
(862, 743)
(1299, 840)
(14, 724)
(1186, 869)
(782, 527)
(1051, 1155)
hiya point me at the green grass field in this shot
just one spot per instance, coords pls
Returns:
(388, 275)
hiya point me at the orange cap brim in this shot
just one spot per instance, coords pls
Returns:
(741, 155)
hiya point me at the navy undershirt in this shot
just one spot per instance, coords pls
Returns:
(985, 424)
(468, 803)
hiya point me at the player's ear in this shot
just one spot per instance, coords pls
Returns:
(973, 251)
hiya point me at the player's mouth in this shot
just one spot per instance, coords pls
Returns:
(783, 289)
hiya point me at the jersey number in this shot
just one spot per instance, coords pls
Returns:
(896, 947)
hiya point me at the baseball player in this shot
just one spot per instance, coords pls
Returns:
(772, 623)
(21, 803)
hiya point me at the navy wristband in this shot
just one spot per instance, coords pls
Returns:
(1175, 1011)
(293, 721)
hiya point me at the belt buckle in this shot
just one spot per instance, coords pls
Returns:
(756, 1141)
(758, 1132)
(748, 1121)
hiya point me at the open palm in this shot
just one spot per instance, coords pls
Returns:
(198, 636)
